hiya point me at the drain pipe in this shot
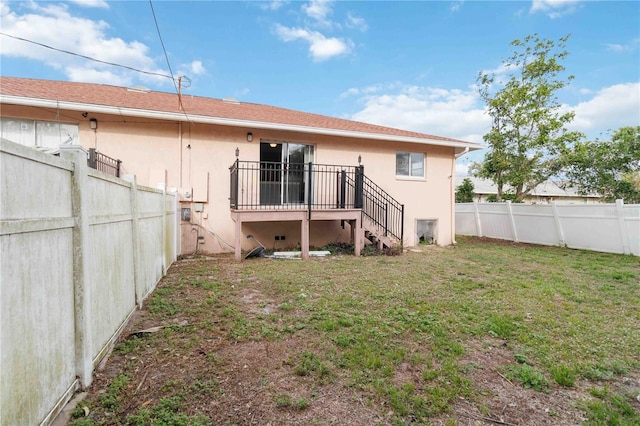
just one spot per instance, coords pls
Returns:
(453, 193)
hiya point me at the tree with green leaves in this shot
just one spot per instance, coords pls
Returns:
(464, 191)
(607, 168)
(529, 139)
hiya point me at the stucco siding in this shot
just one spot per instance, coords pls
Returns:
(195, 159)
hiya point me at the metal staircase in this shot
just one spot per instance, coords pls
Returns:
(382, 215)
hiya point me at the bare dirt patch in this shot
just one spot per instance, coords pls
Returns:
(498, 400)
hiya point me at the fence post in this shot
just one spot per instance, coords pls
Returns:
(177, 250)
(135, 238)
(81, 254)
(512, 221)
(556, 219)
(165, 251)
(476, 214)
(624, 236)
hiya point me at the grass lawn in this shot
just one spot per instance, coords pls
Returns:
(485, 332)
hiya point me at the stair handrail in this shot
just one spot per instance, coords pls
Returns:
(379, 206)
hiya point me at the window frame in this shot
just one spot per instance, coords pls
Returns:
(40, 134)
(409, 175)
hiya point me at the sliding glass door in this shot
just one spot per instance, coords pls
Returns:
(283, 177)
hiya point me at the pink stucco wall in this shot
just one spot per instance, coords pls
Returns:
(195, 158)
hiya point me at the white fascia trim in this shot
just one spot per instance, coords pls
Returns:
(160, 115)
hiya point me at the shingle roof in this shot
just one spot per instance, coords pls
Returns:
(547, 188)
(90, 94)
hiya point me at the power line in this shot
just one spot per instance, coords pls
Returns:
(118, 65)
(176, 85)
(163, 48)
(87, 57)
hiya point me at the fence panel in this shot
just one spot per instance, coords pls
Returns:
(494, 221)
(465, 219)
(632, 222)
(68, 254)
(535, 224)
(595, 228)
(111, 265)
(611, 228)
(37, 340)
(151, 248)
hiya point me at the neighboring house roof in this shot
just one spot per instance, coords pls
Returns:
(141, 102)
(545, 189)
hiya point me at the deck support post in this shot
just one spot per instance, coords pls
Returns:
(357, 236)
(304, 237)
(238, 245)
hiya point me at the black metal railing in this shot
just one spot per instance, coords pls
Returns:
(263, 185)
(105, 164)
(378, 206)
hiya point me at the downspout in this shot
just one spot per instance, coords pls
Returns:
(178, 205)
(452, 180)
(180, 153)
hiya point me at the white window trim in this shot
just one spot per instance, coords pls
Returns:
(414, 178)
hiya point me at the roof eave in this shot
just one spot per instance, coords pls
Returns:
(162, 115)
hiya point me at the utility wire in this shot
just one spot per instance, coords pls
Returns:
(114, 64)
(87, 57)
(163, 48)
(176, 85)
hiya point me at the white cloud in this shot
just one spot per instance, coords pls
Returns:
(615, 47)
(320, 47)
(102, 4)
(554, 8)
(318, 10)
(272, 5)
(450, 113)
(462, 169)
(620, 48)
(356, 22)
(610, 108)
(355, 91)
(456, 5)
(460, 114)
(242, 92)
(87, 74)
(53, 25)
(197, 68)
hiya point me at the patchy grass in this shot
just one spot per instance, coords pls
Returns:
(439, 335)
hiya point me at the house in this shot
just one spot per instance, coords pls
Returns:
(544, 193)
(288, 178)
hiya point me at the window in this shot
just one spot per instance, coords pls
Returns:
(410, 164)
(43, 134)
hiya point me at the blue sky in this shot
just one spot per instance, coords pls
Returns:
(409, 64)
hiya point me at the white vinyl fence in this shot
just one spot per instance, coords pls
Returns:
(611, 228)
(79, 251)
